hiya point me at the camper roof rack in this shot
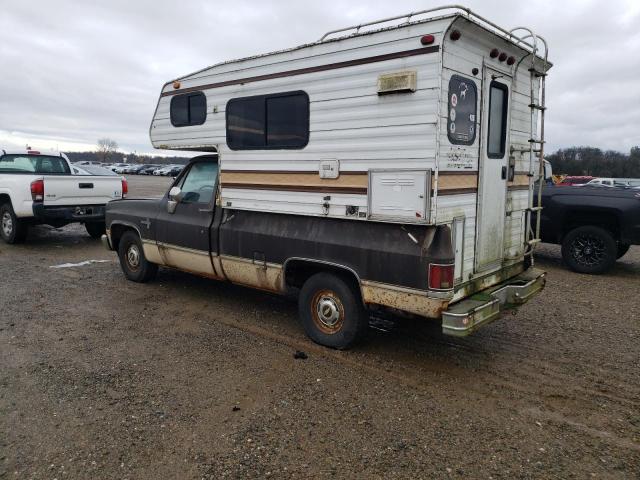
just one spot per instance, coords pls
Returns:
(509, 35)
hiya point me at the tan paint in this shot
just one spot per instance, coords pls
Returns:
(189, 260)
(456, 181)
(293, 179)
(152, 252)
(405, 299)
(263, 276)
(520, 180)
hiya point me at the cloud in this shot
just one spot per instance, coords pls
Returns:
(73, 72)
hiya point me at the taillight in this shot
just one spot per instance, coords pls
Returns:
(37, 190)
(125, 188)
(441, 276)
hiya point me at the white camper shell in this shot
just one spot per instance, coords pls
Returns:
(421, 119)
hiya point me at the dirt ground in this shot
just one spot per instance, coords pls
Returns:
(188, 378)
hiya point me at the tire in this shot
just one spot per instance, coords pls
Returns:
(95, 229)
(623, 248)
(12, 229)
(132, 260)
(345, 319)
(589, 249)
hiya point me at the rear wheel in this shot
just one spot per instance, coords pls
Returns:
(132, 260)
(589, 249)
(623, 248)
(12, 229)
(95, 229)
(331, 311)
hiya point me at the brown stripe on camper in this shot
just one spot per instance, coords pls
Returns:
(292, 181)
(456, 183)
(302, 71)
(521, 179)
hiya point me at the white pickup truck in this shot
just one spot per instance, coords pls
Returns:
(37, 188)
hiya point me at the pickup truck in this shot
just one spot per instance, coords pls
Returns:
(594, 224)
(38, 188)
(340, 270)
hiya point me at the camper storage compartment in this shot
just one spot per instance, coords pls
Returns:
(399, 195)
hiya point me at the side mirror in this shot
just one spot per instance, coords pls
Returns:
(175, 197)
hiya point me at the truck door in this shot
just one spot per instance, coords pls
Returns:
(493, 170)
(183, 234)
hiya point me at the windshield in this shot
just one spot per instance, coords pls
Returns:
(38, 164)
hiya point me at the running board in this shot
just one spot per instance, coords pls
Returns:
(465, 317)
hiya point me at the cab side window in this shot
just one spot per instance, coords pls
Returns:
(199, 184)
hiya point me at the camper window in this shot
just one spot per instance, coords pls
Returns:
(188, 109)
(462, 111)
(498, 99)
(278, 121)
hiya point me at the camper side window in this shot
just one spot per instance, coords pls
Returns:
(461, 123)
(263, 122)
(188, 109)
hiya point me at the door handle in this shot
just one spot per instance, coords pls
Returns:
(205, 210)
(504, 173)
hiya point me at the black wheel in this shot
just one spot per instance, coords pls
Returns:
(12, 229)
(589, 249)
(331, 311)
(95, 229)
(623, 248)
(132, 260)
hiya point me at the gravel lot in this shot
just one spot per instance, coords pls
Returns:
(188, 378)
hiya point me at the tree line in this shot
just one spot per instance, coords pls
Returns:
(595, 162)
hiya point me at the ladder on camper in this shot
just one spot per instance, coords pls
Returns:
(538, 73)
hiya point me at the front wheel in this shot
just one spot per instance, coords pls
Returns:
(589, 249)
(132, 260)
(12, 229)
(331, 311)
(95, 229)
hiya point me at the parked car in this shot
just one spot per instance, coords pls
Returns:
(607, 182)
(92, 170)
(164, 171)
(594, 224)
(576, 180)
(38, 188)
(119, 167)
(148, 169)
(175, 171)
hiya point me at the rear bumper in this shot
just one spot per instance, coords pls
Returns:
(60, 215)
(464, 317)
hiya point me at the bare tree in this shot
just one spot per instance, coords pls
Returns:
(106, 146)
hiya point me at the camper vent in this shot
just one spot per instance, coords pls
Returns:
(397, 82)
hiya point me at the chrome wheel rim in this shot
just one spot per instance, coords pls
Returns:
(327, 311)
(7, 224)
(133, 256)
(588, 250)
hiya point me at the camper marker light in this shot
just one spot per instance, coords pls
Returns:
(511, 60)
(455, 35)
(33, 152)
(37, 190)
(176, 85)
(494, 53)
(502, 57)
(427, 39)
(125, 188)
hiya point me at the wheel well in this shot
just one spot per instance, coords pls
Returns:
(117, 231)
(298, 271)
(605, 220)
(4, 198)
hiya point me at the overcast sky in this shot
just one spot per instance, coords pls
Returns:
(74, 71)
